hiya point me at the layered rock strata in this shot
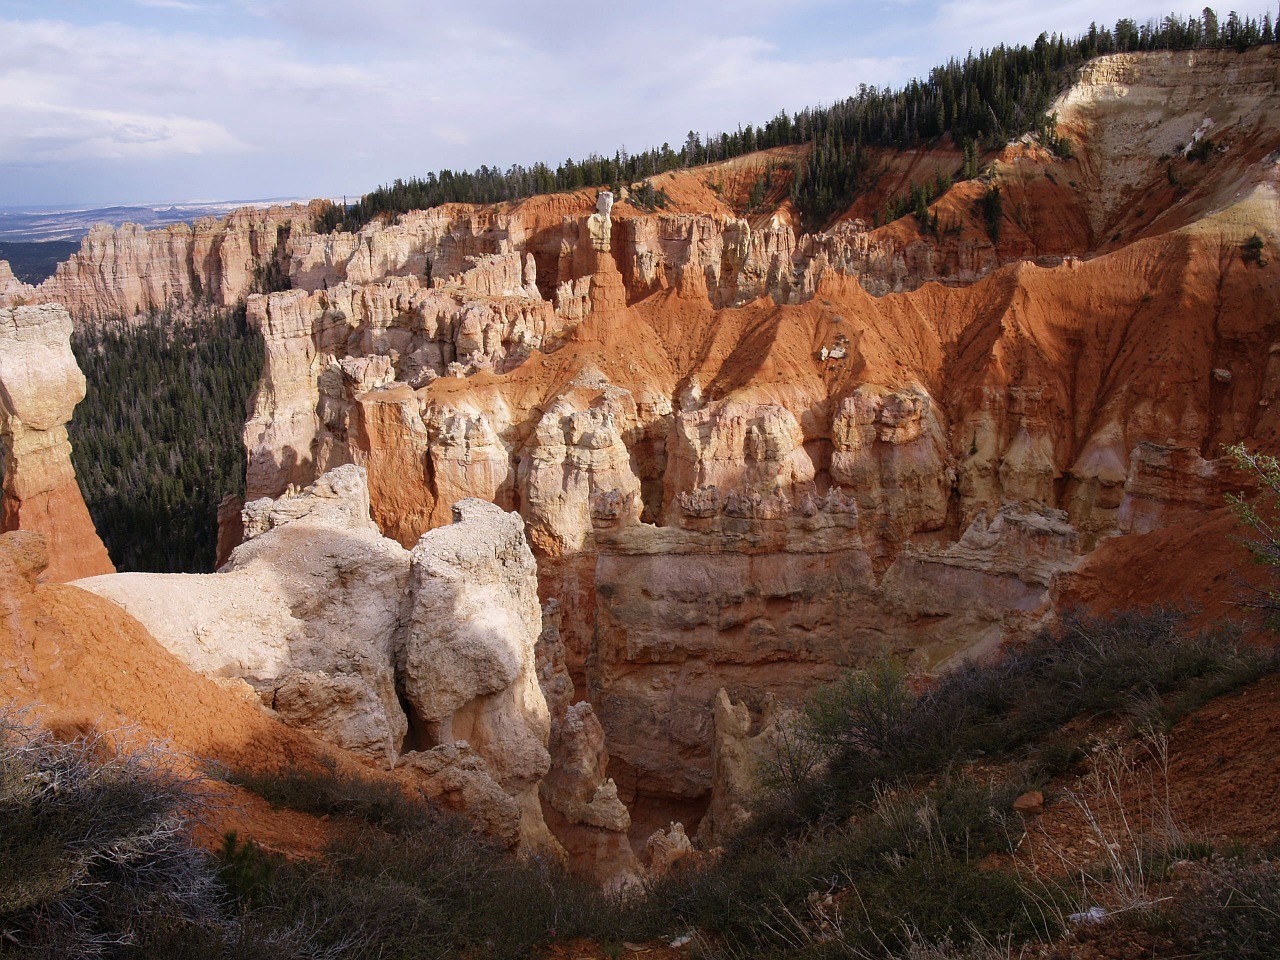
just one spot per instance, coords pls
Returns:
(775, 604)
(120, 272)
(328, 350)
(40, 385)
(748, 460)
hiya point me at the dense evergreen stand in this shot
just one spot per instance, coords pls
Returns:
(979, 102)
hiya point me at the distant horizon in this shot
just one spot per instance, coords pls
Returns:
(45, 223)
(101, 103)
(39, 208)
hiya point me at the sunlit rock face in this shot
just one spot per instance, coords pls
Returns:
(422, 659)
(128, 270)
(40, 386)
(747, 459)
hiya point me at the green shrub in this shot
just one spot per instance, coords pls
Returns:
(874, 728)
(911, 864)
(1251, 250)
(902, 841)
(1054, 141)
(245, 869)
(1260, 516)
(402, 878)
(1052, 757)
(1202, 150)
(991, 207)
(1217, 907)
(866, 712)
(436, 889)
(645, 197)
(96, 860)
(1231, 911)
(325, 793)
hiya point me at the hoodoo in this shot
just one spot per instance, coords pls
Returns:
(40, 385)
(822, 489)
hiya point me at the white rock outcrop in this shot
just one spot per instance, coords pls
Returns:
(740, 761)
(307, 611)
(422, 660)
(466, 658)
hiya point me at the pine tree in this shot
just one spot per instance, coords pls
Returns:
(1210, 27)
(992, 208)
(977, 103)
(158, 445)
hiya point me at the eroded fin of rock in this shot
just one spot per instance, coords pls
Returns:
(40, 386)
(422, 660)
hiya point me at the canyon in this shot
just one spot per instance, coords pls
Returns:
(555, 507)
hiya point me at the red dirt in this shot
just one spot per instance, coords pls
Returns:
(60, 516)
(1198, 564)
(1223, 777)
(79, 664)
(1224, 772)
(286, 832)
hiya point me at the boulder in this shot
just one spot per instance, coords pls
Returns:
(665, 849)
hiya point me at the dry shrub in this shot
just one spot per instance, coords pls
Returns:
(94, 844)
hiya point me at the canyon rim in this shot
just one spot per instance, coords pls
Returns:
(555, 510)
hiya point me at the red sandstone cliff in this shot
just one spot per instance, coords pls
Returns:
(748, 459)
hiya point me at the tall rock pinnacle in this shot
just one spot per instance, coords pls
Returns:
(40, 385)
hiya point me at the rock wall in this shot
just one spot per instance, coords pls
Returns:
(123, 271)
(1130, 109)
(326, 350)
(421, 660)
(746, 459)
(768, 600)
(81, 666)
(436, 246)
(40, 385)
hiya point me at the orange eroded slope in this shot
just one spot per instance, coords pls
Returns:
(79, 663)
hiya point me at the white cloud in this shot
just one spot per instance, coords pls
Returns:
(185, 6)
(42, 133)
(112, 92)
(315, 96)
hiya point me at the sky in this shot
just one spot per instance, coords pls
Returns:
(116, 101)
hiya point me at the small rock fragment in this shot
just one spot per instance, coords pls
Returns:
(1030, 802)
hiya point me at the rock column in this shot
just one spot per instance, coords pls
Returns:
(40, 385)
